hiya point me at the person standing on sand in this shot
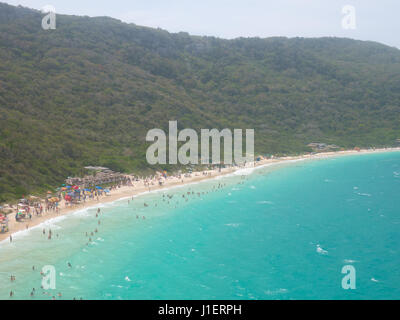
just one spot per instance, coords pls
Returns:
(10, 238)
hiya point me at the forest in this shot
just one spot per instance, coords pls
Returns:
(88, 92)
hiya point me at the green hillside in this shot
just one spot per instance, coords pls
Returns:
(88, 92)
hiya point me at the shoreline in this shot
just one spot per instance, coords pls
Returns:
(140, 189)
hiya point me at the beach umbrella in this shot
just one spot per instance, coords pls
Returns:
(68, 187)
(63, 189)
(88, 190)
(75, 187)
(99, 188)
(63, 185)
(49, 192)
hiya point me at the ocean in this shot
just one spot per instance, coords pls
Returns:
(278, 232)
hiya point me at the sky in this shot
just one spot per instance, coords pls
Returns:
(375, 20)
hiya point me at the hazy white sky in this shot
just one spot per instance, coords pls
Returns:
(376, 20)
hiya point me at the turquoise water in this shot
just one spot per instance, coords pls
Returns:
(282, 232)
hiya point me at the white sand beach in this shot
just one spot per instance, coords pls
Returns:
(140, 187)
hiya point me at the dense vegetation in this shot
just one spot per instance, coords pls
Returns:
(88, 92)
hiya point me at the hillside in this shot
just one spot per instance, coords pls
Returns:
(88, 92)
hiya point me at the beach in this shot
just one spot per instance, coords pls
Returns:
(281, 230)
(139, 187)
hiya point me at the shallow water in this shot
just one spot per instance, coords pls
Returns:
(282, 232)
